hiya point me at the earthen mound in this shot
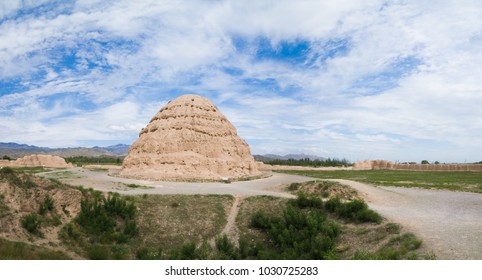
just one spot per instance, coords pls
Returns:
(22, 194)
(38, 160)
(187, 139)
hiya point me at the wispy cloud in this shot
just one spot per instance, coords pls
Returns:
(359, 79)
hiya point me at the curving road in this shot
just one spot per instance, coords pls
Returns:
(273, 185)
(449, 222)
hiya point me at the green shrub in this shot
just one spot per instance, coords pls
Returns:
(145, 253)
(398, 248)
(333, 204)
(174, 204)
(356, 211)
(29, 184)
(392, 228)
(8, 174)
(260, 220)
(46, 205)
(303, 232)
(108, 219)
(71, 230)
(186, 252)
(294, 186)
(407, 242)
(6, 171)
(98, 252)
(31, 223)
(308, 201)
(120, 252)
(226, 248)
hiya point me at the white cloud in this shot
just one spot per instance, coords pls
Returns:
(422, 59)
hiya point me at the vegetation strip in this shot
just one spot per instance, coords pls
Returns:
(455, 181)
(326, 221)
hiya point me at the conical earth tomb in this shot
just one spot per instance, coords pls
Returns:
(189, 139)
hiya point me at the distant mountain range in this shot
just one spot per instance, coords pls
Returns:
(15, 150)
(268, 157)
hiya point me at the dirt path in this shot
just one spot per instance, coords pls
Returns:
(448, 222)
(230, 229)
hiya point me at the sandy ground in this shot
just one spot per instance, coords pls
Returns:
(448, 222)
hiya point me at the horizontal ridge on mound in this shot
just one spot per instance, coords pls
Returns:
(187, 139)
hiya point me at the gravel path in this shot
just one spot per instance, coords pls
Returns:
(448, 222)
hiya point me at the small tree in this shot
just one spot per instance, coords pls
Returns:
(425, 161)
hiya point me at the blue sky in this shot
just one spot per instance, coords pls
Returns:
(397, 80)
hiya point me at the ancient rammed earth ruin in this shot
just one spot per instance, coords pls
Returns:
(188, 139)
(388, 165)
(38, 160)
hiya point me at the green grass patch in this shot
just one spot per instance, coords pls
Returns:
(32, 170)
(450, 180)
(83, 160)
(65, 174)
(12, 250)
(397, 248)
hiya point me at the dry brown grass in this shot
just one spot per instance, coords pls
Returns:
(168, 221)
(325, 189)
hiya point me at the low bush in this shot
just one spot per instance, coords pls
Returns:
(187, 251)
(8, 174)
(294, 186)
(103, 226)
(301, 233)
(356, 211)
(398, 248)
(392, 228)
(307, 201)
(111, 219)
(98, 252)
(31, 223)
(226, 249)
(46, 205)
